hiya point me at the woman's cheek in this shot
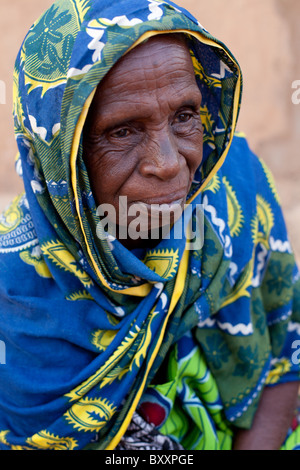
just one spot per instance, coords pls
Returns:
(192, 150)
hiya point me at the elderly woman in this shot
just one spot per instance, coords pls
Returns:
(149, 294)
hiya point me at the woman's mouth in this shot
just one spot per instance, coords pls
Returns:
(162, 205)
(152, 215)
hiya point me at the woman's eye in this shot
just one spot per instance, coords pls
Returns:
(120, 133)
(183, 117)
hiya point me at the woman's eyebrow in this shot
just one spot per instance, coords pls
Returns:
(109, 123)
(138, 114)
(190, 97)
(190, 103)
(110, 118)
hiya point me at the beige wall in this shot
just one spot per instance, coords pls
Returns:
(264, 37)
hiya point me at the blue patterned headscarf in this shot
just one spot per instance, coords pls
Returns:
(86, 324)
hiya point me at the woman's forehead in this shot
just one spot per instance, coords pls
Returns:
(159, 65)
(165, 52)
(152, 46)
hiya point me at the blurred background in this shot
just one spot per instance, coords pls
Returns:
(264, 36)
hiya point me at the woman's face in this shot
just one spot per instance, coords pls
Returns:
(143, 137)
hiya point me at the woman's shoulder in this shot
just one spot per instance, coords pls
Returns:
(248, 172)
(241, 159)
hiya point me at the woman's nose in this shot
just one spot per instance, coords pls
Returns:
(161, 157)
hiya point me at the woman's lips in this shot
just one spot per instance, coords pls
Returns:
(177, 197)
(152, 212)
(162, 205)
(153, 215)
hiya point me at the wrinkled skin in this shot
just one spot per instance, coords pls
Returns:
(143, 137)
